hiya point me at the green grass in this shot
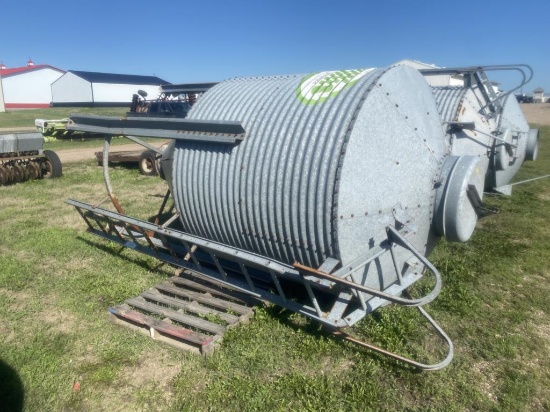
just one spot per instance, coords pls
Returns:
(56, 283)
(26, 117)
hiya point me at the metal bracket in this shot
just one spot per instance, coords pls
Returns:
(480, 208)
(456, 126)
(453, 127)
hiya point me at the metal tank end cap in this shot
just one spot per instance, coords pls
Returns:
(458, 197)
(532, 149)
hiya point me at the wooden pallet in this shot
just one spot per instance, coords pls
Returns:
(188, 312)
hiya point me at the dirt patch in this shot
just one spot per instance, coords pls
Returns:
(537, 113)
(154, 373)
(58, 320)
(17, 129)
(487, 381)
(79, 155)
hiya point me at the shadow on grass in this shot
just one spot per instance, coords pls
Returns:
(12, 395)
(285, 316)
(117, 251)
(318, 331)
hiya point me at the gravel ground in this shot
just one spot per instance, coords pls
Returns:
(537, 113)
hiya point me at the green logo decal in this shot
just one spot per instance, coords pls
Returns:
(318, 87)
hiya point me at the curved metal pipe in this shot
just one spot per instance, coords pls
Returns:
(419, 365)
(106, 176)
(473, 69)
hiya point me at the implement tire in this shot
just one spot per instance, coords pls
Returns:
(53, 167)
(148, 165)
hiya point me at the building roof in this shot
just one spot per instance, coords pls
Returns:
(538, 90)
(19, 70)
(95, 77)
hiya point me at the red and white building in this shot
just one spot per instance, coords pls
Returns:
(29, 86)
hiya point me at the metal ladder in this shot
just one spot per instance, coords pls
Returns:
(265, 279)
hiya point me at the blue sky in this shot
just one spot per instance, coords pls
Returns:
(210, 40)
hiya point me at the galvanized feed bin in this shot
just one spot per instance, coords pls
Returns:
(487, 124)
(502, 162)
(525, 138)
(321, 193)
(463, 105)
(329, 161)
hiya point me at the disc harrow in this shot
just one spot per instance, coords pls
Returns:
(22, 158)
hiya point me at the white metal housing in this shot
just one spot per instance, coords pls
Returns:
(77, 88)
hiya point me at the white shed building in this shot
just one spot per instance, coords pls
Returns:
(28, 87)
(2, 105)
(87, 89)
(538, 95)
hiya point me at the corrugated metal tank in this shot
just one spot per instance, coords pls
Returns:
(327, 163)
(465, 104)
(513, 119)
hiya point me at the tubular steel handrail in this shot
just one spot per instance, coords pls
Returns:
(477, 69)
(423, 366)
(473, 69)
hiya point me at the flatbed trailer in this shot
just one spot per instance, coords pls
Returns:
(146, 160)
